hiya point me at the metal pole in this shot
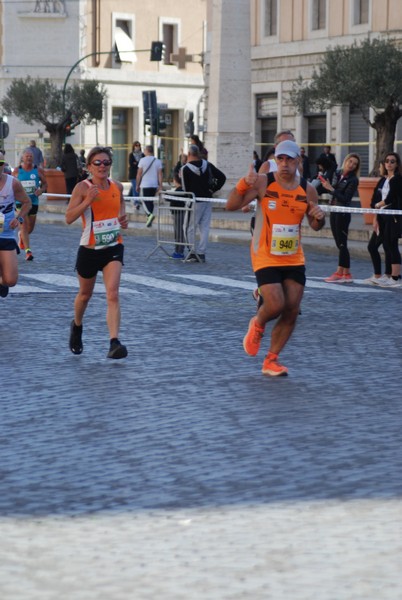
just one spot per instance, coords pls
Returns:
(88, 56)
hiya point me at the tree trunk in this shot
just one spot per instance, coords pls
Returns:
(385, 126)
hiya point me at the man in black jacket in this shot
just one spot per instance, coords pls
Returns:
(201, 178)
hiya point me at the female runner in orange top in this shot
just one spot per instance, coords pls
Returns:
(100, 204)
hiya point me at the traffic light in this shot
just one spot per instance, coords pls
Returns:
(158, 51)
(4, 129)
(189, 123)
(69, 129)
(150, 110)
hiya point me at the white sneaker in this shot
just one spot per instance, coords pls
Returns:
(390, 283)
(373, 280)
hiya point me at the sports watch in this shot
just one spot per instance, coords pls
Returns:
(20, 219)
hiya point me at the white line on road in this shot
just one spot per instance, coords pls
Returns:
(170, 286)
(71, 282)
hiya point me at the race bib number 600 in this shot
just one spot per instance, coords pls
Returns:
(285, 239)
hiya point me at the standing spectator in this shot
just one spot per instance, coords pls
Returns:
(38, 160)
(11, 191)
(324, 168)
(180, 163)
(201, 178)
(333, 164)
(100, 204)
(70, 167)
(34, 183)
(177, 206)
(387, 171)
(343, 188)
(392, 200)
(195, 140)
(257, 162)
(305, 163)
(149, 180)
(82, 159)
(133, 159)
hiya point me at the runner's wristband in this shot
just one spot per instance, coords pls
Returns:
(242, 187)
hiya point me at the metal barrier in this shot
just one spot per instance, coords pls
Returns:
(173, 223)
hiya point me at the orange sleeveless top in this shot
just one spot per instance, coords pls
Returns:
(101, 227)
(276, 239)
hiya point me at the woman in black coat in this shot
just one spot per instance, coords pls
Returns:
(391, 199)
(344, 186)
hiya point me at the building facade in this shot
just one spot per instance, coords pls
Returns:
(288, 38)
(47, 38)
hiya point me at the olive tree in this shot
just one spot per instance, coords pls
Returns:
(365, 75)
(41, 101)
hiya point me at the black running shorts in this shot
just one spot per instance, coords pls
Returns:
(90, 261)
(279, 274)
(9, 244)
(32, 212)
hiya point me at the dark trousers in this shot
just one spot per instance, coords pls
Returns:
(178, 227)
(149, 203)
(340, 228)
(374, 244)
(391, 239)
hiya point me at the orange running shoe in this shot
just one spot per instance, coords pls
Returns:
(347, 278)
(20, 242)
(253, 337)
(334, 278)
(272, 367)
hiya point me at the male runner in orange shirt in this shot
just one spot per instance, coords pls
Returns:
(283, 198)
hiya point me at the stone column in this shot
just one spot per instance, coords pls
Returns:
(228, 137)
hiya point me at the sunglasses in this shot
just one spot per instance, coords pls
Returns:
(104, 162)
(2, 162)
(392, 161)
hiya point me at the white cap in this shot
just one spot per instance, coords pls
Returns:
(288, 148)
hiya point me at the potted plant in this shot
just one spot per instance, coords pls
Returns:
(366, 76)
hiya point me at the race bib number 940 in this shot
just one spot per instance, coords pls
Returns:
(106, 232)
(285, 239)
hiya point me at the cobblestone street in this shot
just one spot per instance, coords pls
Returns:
(181, 472)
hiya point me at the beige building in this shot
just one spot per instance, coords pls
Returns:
(47, 38)
(288, 37)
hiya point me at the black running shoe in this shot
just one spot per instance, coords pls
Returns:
(76, 346)
(117, 350)
(4, 291)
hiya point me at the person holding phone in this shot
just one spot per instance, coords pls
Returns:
(342, 189)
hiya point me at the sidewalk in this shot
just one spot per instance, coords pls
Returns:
(234, 227)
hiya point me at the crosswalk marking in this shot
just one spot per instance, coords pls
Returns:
(225, 281)
(171, 286)
(137, 284)
(71, 282)
(311, 283)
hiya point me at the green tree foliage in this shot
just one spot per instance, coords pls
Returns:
(41, 101)
(365, 75)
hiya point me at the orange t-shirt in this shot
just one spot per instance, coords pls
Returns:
(277, 238)
(101, 227)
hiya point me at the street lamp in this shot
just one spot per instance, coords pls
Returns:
(75, 65)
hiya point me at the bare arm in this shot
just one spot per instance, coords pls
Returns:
(83, 195)
(247, 189)
(22, 197)
(315, 215)
(43, 182)
(123, 220)
(139, 177)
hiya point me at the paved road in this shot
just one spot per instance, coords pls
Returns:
(181, 472)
